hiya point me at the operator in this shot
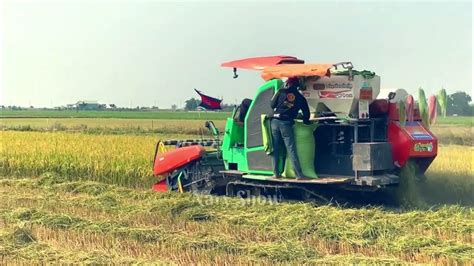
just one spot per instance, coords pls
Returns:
(286, 104)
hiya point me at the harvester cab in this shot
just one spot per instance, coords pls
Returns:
(356, 142)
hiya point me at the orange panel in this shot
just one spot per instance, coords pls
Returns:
(174, 159)
(296, 70)
(259, 63)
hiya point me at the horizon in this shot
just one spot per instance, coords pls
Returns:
(148, 107)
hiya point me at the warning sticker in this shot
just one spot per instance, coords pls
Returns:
(335, 94)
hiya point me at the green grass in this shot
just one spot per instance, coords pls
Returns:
(178, 115)
(456, 120)
(115, 114)
(109, 125)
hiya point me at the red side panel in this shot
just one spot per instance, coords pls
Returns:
(259, 63)
(161, 186)
(411, 141)
(169, 161)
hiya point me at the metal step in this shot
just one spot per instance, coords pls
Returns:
(323, 180)
(233, 173)
(378, 180)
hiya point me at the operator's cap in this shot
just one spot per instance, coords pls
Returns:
(292, 81)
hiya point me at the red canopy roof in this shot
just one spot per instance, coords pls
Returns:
(259, 63)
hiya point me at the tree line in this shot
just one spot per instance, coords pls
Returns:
(458, 103)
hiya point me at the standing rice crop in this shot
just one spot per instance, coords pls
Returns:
(118, 159)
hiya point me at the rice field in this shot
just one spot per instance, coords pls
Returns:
(109, 125)
(115, 159)
(85, 198)
(46, 220)
(122, 114)
(446, 133)
(126, 160)
(6, 114)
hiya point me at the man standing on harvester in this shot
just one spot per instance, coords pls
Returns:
(286, 104)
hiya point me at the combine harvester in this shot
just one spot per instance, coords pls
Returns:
(360, 143)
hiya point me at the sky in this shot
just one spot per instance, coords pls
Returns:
(137, 52)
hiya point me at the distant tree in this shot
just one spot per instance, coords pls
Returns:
(191, 104)
(458, 103)
(112, 105)
(174, 107)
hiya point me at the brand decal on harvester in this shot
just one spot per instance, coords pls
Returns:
(322, 86)
(339, 86)
(335, 94)
(424, 147)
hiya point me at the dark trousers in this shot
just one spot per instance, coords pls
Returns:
(282, 132)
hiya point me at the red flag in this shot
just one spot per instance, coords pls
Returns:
(208, 102)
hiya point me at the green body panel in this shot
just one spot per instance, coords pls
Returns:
(234, 146)
(233, 134)
(276, 84)
(253, 171)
